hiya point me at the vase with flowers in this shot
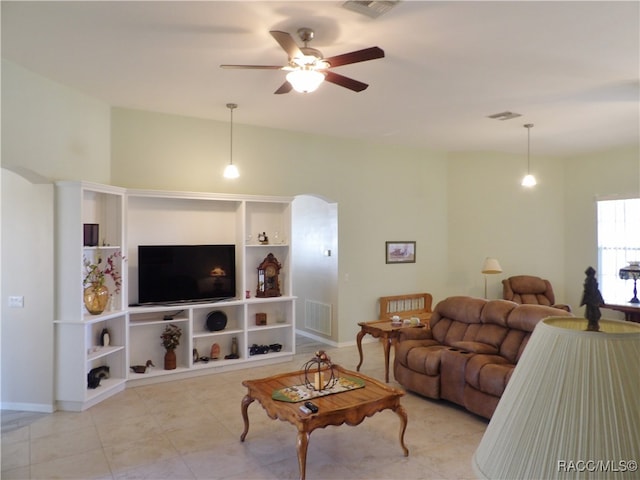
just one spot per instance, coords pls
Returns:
(170, 340)
(97, 269)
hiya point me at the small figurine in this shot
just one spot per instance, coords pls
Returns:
(142, 368)
(263, 239)
(592, 298)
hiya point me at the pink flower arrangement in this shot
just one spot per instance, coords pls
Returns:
(96, 273)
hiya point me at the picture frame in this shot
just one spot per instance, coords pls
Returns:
(400, 252)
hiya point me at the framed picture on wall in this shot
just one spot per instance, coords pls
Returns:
(400, 252)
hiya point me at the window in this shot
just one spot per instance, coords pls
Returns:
(618, 244)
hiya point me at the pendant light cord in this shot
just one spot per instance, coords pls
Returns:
(528, 127)
(231, 106)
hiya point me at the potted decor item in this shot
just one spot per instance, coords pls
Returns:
(96, 293)
(170, 340)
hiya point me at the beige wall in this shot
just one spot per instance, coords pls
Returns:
(49, 132)
(53, 130)
(492, 215)
(613, 172)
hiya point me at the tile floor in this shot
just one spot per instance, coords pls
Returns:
(190, 429)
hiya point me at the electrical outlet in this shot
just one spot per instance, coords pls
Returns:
(16, 301)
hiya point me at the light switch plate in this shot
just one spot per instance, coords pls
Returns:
(16, 301)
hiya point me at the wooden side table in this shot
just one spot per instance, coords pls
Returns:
(380, 329)
(631, 310)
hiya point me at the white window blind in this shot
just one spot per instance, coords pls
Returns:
(618, 244)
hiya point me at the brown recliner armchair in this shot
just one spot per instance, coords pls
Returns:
(527, 289)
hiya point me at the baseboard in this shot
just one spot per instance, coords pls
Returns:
(326, 341)
(331, 343)
(28, 407)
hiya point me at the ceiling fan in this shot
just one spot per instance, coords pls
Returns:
(308, 69)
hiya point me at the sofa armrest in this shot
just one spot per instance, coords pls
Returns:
(412, 333)
(475, 347)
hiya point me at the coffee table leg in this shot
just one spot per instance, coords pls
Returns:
(303, 443)
(403, 426)
(359, 343)
(246, 401)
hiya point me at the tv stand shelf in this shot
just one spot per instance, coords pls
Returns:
(130, 218)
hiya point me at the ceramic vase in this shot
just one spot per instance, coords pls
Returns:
(96, 298)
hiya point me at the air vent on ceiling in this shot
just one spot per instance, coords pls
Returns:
(504, 115)
(371, 9)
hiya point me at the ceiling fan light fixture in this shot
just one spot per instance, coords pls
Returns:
(305, 80)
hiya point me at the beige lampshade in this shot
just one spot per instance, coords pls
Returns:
(491, 266)
(571, 408)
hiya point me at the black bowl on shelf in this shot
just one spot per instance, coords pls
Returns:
(216, 321)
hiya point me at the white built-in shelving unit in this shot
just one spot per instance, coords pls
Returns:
(129, 218)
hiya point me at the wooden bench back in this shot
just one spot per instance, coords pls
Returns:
(406, 306)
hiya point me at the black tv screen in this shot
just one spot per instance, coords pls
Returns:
(186, 273)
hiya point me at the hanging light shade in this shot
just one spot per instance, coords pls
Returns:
(305, 80)
(231, 171)
(529, 180)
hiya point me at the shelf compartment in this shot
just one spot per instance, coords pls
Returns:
(157, 371)
(203, 345)
(208, 334)
(144, 323)
(269, 327)
(100, 352)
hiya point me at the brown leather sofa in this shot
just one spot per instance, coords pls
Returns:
(469, 351)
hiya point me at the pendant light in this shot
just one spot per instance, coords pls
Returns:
(528, 180)
(231, 171)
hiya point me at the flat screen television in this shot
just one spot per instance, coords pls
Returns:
(170, 274)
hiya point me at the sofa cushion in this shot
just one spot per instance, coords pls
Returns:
(513, 344)
(422, 359)
(457, 313)
(475, 347)
(530, 289)
(488, 373)
(496, 312)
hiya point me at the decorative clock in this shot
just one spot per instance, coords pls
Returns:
(268, 277)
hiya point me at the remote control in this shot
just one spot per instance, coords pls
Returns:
(311, 406)
(304, 409)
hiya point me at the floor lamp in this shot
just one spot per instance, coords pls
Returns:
(490, 267)
(570, 409)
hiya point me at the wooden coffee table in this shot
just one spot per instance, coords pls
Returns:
(350, 407)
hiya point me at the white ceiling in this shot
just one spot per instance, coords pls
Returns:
(570, 68)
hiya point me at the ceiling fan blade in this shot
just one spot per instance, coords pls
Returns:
(354, 57)
(259, 67)
(345, 82)
(284, 88)
(287, 43)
